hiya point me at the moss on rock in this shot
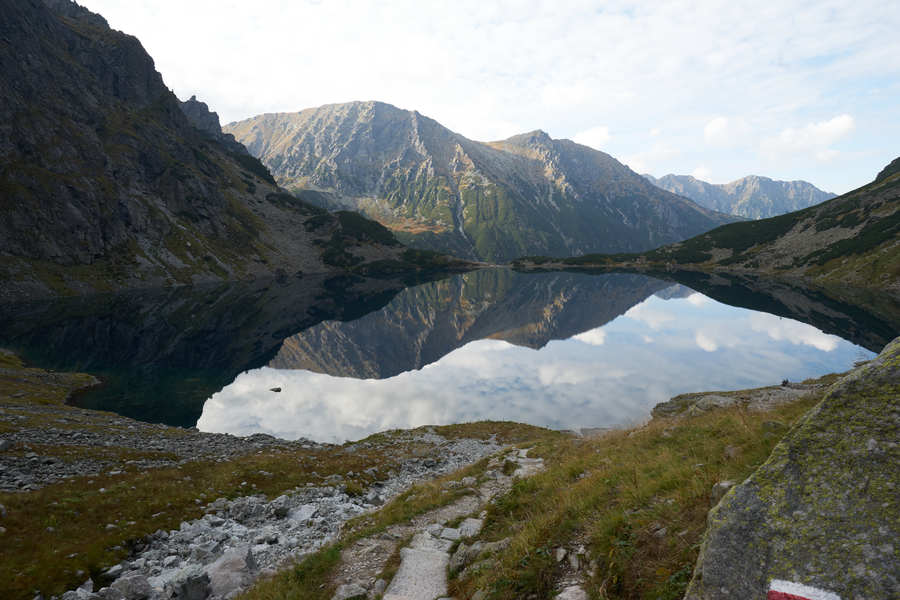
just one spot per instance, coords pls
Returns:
(824, 509)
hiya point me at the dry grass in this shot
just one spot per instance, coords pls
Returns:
(637, 499)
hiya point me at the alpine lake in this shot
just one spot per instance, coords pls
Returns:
(339, 358)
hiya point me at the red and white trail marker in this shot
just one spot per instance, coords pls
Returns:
(788, 590)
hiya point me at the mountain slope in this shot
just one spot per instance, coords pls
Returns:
(852, 241)
(439, 190)
(753, 197)
(423, 324)
(105, 184)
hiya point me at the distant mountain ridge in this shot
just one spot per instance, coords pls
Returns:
(849, 244)
(439, 190)
(753, 197)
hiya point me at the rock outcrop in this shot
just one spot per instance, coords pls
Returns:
(106, 184)
(823, 513)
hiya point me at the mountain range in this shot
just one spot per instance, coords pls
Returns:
(850, 244)
(438, 190)
(752, 197)
(424, 323)
(107, 181)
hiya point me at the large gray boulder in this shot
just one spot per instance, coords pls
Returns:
(233, 571)
(823, 512)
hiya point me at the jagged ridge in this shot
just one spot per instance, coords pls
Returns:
(529, 194)
(753, 197)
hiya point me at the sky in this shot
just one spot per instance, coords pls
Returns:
(598, 378)
(718, 89)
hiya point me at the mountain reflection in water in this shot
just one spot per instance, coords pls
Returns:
(559, 350)
(356, 355)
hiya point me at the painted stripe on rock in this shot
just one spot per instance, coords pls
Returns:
(788, 590)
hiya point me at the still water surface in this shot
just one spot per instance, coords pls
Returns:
(605, 376)
(354, 356)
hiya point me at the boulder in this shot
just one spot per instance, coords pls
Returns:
(350, 591)
(233, 571)
(131, 587)
(823, 512)
(191, 583)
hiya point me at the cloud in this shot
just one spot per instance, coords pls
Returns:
(648, 160)
(698, 299)
(702, 173)
(646, 313)
(705, 342)
(594, 337)
(595, 137)
(815, 139)
(725, 131)
(778, 328)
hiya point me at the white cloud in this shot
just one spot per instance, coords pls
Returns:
(698, 299)
(594, 337)
(646, 313)
(658, 155)
(702, 173)
(595, 137)
(725, 131)
(705, 342)
(797, 333)
(655, 132)
(814, 139)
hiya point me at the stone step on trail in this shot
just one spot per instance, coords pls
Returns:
(423, 568)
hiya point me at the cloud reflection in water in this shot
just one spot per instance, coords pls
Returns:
(609, 376)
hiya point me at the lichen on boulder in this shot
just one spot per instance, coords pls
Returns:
(824, 510)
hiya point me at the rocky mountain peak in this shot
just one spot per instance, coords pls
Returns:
(207, 121)
(753, 196)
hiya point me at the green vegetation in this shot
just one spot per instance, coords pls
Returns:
(637, 500)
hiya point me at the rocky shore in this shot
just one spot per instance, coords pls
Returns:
(242, 535)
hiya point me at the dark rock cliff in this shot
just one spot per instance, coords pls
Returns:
(106, 184)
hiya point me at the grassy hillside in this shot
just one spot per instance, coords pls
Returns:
(853, 240)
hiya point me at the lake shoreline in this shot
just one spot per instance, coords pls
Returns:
(47, 445)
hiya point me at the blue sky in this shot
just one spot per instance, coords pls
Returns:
(719, 89)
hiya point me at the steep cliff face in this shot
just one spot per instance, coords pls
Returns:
(529, 194)
(823, 512)
(424, 323)
(104, 182)
(753, 197)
